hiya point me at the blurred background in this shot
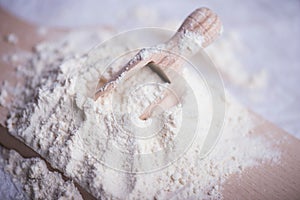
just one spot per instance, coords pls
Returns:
(258, 54)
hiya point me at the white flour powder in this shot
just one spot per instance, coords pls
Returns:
(230, 66)
(38, 182)
(56, 115)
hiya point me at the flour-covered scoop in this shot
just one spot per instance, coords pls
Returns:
(199, 29)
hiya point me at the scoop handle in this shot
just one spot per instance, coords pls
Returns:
(198, 30)
(201, 28)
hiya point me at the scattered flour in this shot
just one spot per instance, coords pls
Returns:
(12, 39)
(37, 181)
(10, 188)
(55, 114)
(224, 53)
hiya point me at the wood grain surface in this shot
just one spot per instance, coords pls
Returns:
(268, 181)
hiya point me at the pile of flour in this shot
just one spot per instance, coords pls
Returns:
(54, 113)
(33, 180)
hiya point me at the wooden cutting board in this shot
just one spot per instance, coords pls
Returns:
(280, 181)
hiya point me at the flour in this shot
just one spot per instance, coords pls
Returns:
(38, 182)
(12, 39)
(55, 114)
(192, 41)
(231, 67)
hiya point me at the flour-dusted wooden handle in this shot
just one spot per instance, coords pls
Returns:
(201, 28)
(198, 30)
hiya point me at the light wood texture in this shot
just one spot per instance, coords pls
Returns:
(269, 181)
(277, 181)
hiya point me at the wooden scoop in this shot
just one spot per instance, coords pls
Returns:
(199, 29)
